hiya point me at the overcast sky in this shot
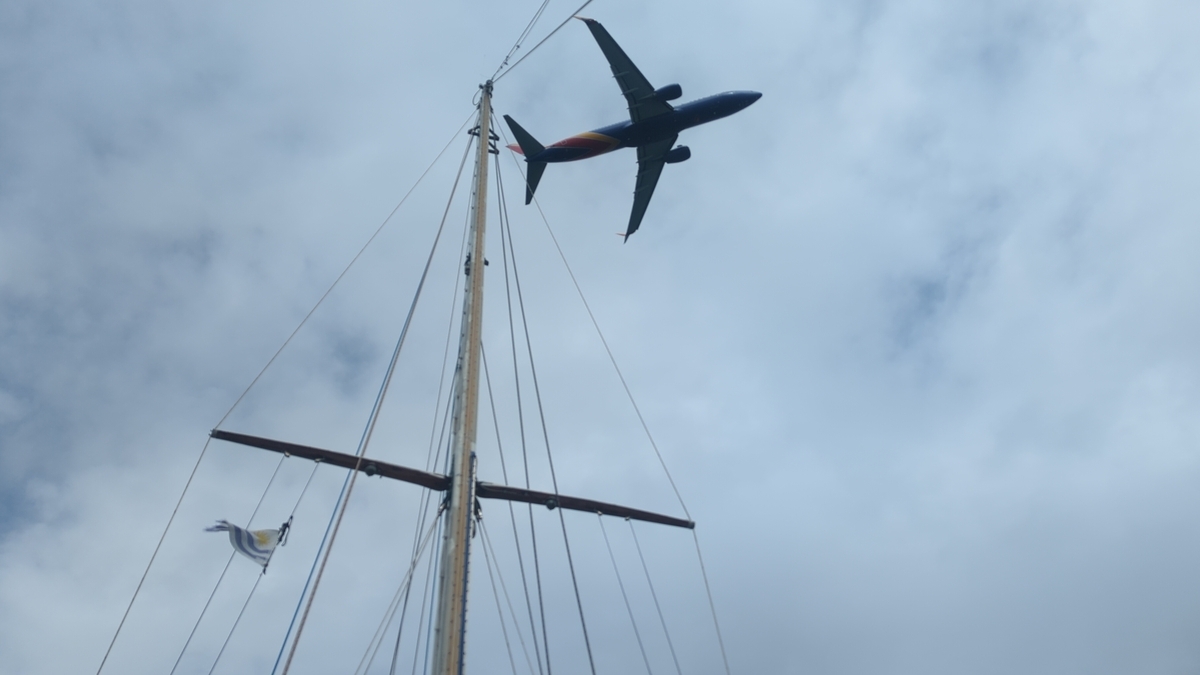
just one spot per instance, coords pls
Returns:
(916, 333)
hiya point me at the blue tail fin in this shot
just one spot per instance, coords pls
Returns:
(530, 148)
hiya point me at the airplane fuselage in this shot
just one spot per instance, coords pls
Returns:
(633, 134)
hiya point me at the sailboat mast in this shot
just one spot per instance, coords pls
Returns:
(450, 629)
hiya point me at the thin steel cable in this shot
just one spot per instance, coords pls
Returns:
(154, 555)
(711, 606)
(175, 511)
(657, 607)
(365, 664)
(621, 584)
(534, 49)
(505, 247)
(343, 274)
(226, 569)
(372, 420)
(607, 349)
(404, 613)
(641, 419)
(521, 38)
(303, 492)
(236, 621)
(549, 456)
(499, 610)
(191, 635)
(512, 514)
(426, 498)
(496, 423)
(508, 600)
(431, 586)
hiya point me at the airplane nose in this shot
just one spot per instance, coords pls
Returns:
(745, 98)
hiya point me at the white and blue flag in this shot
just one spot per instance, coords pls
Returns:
(257, 545)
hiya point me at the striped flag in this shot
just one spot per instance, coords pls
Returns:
(257, 545)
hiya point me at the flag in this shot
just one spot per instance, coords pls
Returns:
(257, 545)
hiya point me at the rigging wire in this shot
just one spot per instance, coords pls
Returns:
(521, 38)
(348, 486)
(154, 555)
(377, 639)
(621, 376)
(637, 410)
(299, 499)
(507, 599)
(505, 223)
(226, 569)
(344, 272)
(624, 596)
(404, 613)
(426, 498)
(711, 606)
(505, 247)
(543, 41)
(431, 584)
(512, 514)
(204, 450)
(487, 559)
(546, 438)
(657, 607)
(236, 621)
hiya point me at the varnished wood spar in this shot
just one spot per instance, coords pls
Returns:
(436, 481)
(514, 494)
(371, 467)
(450, 626)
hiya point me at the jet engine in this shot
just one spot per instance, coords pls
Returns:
(669, 92)
(679, 154)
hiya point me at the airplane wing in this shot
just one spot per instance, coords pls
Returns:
(651, 159)
(643, 104)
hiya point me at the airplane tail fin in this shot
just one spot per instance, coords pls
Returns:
(530, 148)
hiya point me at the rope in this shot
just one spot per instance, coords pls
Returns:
(558, 28)
(226, 569)
(608, 350)
(624, 596)
(374, 417)
(154, 555)
(505, 246)
(654, 595)
(546, 438)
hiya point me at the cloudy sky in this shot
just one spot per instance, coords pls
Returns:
(916, 333)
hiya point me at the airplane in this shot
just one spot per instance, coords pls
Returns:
(653, 127)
